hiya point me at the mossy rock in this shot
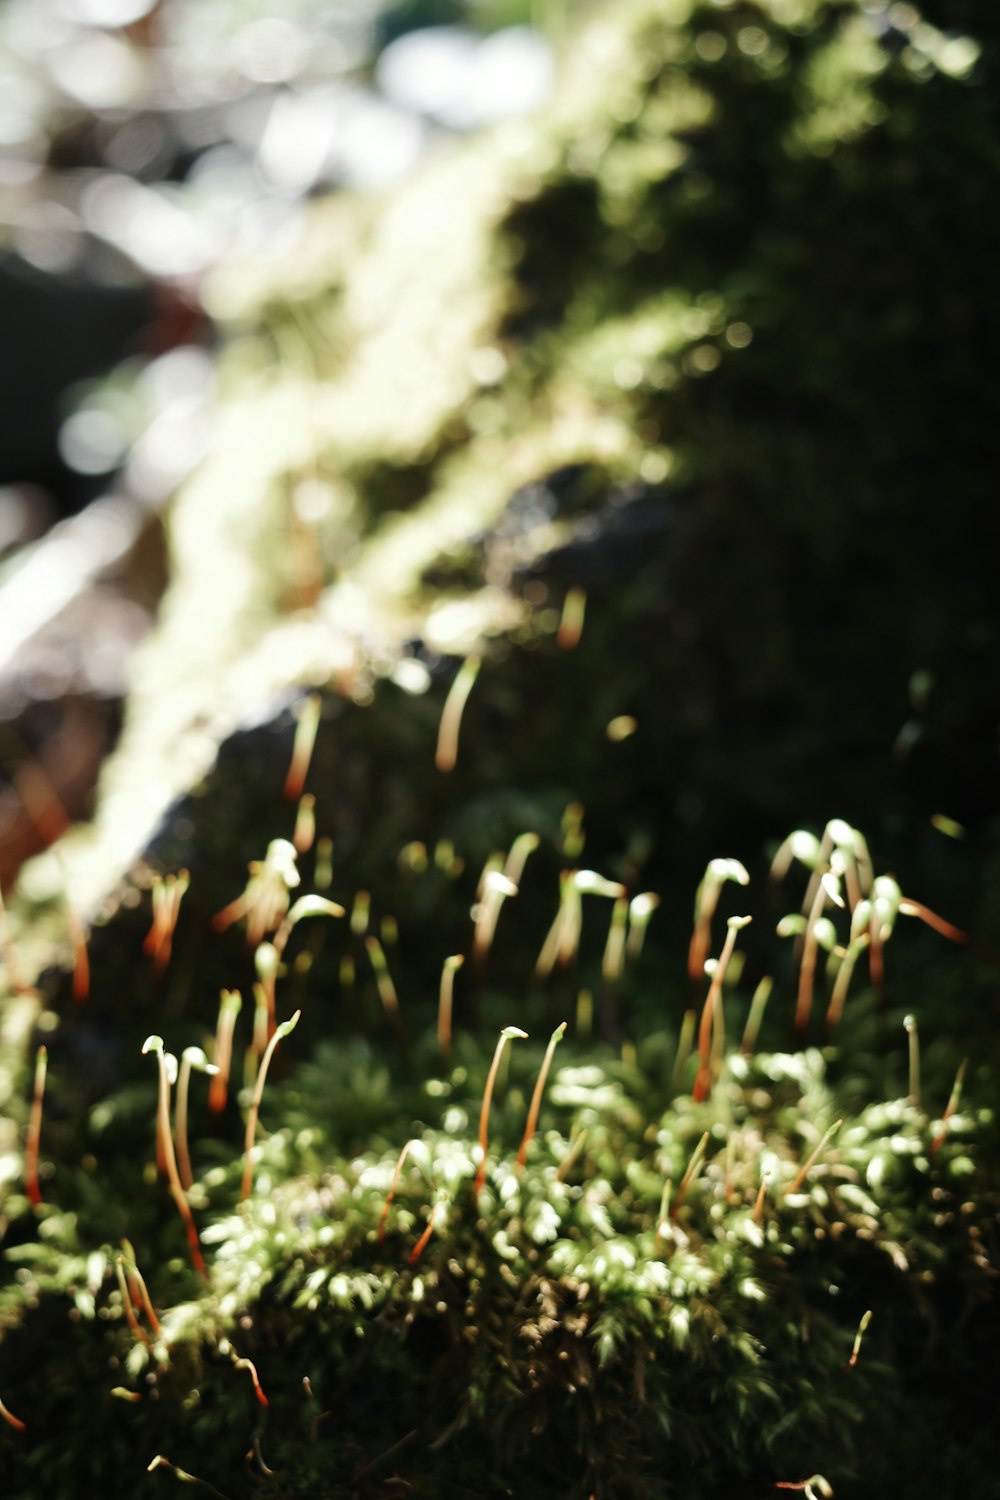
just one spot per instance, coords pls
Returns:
(661, 355)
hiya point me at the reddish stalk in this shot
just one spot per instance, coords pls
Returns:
(129, 1310)
(307, 714)
(11, 1420)
(705, 903)
(424, 1239)
(446, 998)
(825, 890)
(946, 929)
(33, 1142)
(81, 958)
(144, 1297)
(168, 893)
(950, 1108)
(506, 1035)
(758, 1207)
(155, 1044)
(446, 755)
(230, 1003)
(305, 824)
(536, 1098)
(866, 1318)
(494, 888)
(160, 1462)
(191, 1057)
(712, 1009)
(258, 1093)
(265, 962)
(248, 1365)
(571, 623)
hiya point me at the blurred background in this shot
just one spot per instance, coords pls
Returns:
(145, 144)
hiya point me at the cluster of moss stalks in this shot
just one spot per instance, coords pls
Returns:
(685, 1263)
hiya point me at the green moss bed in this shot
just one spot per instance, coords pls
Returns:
(816, 1299)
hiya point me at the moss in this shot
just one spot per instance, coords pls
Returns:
(596, 1315)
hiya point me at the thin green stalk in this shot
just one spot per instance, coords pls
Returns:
(33, 1143)
(280, 1031)
(712, 1008)
(691, 1172)
(758, 1005)
(536, 1098)
(230, 1004)
(446, 755)
(155, 1044)
(507, 1034)
(307, 724)
(446, 998)
(910, 1026)
(795, 1185)
(952, 1105)
(397, 1172)
(191, 1057)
